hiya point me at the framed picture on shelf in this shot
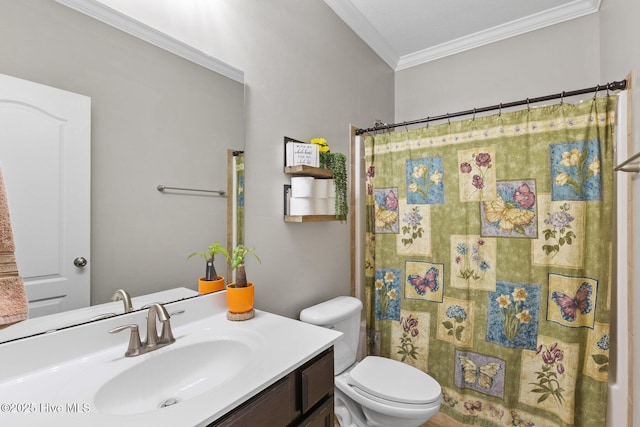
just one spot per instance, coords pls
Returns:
(301, 153)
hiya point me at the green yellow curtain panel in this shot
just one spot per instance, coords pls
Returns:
(239, 195)
(488, 261)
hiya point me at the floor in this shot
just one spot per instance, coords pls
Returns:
(439, 420)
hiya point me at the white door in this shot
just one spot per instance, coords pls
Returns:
(45, 156)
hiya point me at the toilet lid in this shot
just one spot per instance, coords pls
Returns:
(394, 381)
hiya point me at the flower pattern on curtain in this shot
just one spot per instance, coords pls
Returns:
(488, 261)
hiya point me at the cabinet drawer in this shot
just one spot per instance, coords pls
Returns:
(323, 416)
(274, 407)
(317, 380)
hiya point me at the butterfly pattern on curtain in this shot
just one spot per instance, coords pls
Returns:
(488, 261)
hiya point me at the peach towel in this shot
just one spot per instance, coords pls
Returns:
(13, 301)
(6, 233)
(13, 298)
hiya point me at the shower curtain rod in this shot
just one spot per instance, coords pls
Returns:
(620, 85)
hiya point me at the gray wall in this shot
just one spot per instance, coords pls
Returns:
(550, 60)
(307, 75)
(156, 119)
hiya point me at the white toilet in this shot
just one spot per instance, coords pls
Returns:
(376, 391)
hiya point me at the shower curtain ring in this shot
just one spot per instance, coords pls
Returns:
(528, 105)
(448, 119)
(474, 114)
(562, 98)
(595, 94)
(500, 112)
(428, 120)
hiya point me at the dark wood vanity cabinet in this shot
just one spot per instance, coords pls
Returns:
(303, 398)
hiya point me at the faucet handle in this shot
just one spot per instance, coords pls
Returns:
(167, 333)
(134, 340)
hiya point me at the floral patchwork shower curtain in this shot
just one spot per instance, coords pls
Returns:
(489, 246)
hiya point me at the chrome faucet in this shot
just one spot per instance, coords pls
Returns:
(158, 312)
(153, 341)
(123, 295)
(119, 295)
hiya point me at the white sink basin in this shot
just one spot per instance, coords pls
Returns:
(214, 365)
(173, 376)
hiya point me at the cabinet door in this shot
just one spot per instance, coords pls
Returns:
(273, 407)
(317, 381)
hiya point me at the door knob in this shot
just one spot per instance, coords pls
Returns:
(80, 262)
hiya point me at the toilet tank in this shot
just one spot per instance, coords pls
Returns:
(342, 314)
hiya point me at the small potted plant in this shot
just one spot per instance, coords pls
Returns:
(240, 295)
(211, 281)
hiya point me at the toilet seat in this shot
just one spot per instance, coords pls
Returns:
(386, 407)
(390, 381)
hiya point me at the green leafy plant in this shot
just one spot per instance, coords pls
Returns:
(237, 263)
(209, 255)
(337, 164)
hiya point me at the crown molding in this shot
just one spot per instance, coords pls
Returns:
(112, 17)
(533, 22)
(352, 17)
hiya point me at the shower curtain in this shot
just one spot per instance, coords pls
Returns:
(488, 261)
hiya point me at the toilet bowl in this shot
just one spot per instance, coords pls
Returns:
(387, 393)
(376, 391)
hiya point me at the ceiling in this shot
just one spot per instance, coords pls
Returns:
(405, 33)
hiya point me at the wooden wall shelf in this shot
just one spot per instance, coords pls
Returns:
(304, 170)
(311, 171)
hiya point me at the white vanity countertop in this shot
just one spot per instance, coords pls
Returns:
(52, 379)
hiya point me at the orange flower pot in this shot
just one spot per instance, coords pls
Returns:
(207, 286)
(240, 300)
